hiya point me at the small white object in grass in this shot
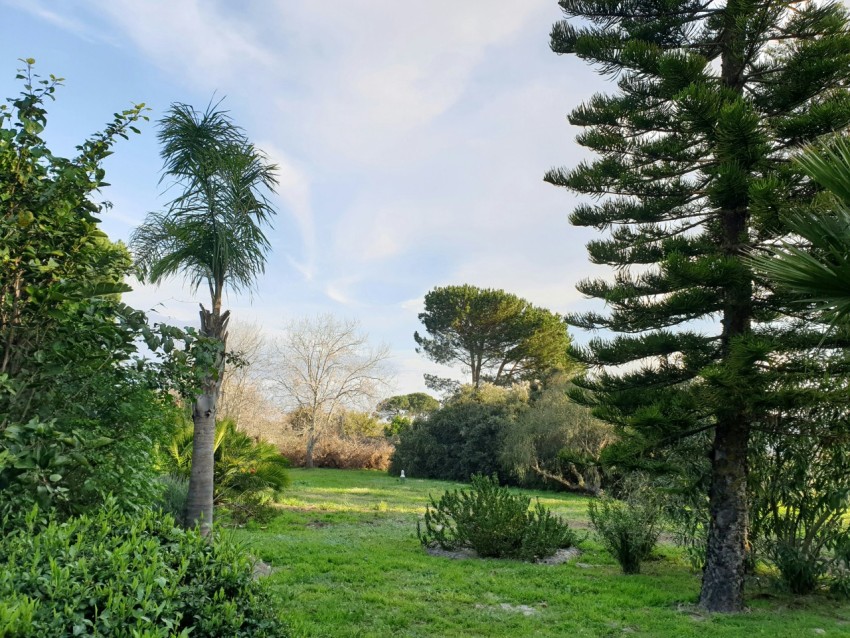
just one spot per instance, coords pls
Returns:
(402, 476)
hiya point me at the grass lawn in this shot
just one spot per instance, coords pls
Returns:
(346, 562)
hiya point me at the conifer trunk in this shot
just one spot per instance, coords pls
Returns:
(723, 576)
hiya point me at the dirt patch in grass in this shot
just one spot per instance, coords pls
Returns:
(558, 558)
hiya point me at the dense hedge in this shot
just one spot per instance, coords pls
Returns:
(117, 574)
(455, 442)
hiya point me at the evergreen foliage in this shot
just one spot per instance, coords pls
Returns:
(493, 522)
(127, 575)
(691, 174)
(628, 527)
(462, 438)
(247, 474)
(79, 409)
(496, 336)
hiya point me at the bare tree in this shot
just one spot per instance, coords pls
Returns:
(243, 396)
(325, 365)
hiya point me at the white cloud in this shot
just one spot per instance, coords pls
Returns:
(201, 42)
(294, 189)
(411, 140)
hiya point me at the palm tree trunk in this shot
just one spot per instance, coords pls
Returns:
(199, 504)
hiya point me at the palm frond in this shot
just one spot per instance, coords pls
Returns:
(213, 230)
(819, 270)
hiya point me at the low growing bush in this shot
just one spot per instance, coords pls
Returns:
(628, 528)
(494, 523)
(117, 574)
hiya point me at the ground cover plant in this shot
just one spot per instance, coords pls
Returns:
(346, 562)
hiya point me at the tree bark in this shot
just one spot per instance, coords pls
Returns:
(199, 504)
(723, 576)
(311, 443)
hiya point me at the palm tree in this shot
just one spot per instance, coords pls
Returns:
(212, 233)
(819, 272)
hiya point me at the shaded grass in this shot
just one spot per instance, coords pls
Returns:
(347, 562)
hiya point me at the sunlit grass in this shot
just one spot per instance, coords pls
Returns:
(347, 563)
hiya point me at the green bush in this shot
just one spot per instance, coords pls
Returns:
(628, 528)
(175, 494)
(80, 410)
(800, 496)
(463, 438)
(116, 574)
(801, 570)
(494, 523)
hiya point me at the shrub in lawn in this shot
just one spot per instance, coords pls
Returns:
(494, 523)
(800, 496)
(118, 574)
(628, 528)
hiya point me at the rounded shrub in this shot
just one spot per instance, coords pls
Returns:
(118, 574)
(455, 442)
(494, 523)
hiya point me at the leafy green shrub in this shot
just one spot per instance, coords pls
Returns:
(628, 528)
(556, 441)
(248, 476)
(117, 574)
(801, 570)
(494, 523)
(800, 495)
(80, 411)
(463, 438)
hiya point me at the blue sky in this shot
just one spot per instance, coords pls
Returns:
(412, 140)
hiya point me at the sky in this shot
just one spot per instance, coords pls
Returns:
(411, 140)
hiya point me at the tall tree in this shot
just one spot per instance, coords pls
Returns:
(496, 336)
(693, 173)
(212, 233)
(325, 366)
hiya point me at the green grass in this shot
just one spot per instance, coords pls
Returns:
(347, 562)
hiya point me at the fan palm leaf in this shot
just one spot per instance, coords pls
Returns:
(819, 271)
